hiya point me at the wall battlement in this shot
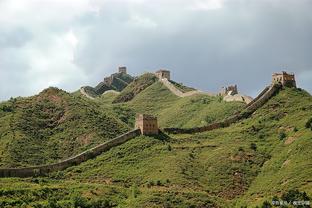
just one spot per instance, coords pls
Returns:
(284, 78)
(109, 80)
(229, 90)
(122, 69)
(163, 74)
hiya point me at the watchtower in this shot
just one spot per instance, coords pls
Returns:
(163, 74)
(147, 124)
(284, 78)
(229, 90)
(122, 69)
(108, 80)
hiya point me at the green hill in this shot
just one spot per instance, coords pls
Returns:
(243, 165)
(196, 110)
(156, 99)
(51, 126)
(134, 88)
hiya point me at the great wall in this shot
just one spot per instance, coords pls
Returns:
(249, 109)
(75, 160)
(83, 92)
(178, 92)
(147, 125)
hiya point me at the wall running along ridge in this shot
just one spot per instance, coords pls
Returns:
(75, 160)
(178, 92)
(83, 92)
(259, 101)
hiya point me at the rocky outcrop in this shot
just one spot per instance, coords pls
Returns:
(238, 98)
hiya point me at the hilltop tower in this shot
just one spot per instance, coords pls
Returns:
(122, 69)
(163, 74)
(147, 124)
(108, 80)
(284, 78)
(229, 90)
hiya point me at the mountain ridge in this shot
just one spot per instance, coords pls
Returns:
(246, 164)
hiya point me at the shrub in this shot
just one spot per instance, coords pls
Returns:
(52, 203)
(209, 119)
(135, 191)
(282, 135)
(150, 184)
(266, 204)
(295, 129)
(79, 201)
(7, 108)
(295, 195)
(290, 197)
(253, 146)
(101, 203)
(169, 148)
(309, 124)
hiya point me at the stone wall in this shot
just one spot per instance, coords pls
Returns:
(265, 95)
(176, 91)
(75, 160)
(260, 95)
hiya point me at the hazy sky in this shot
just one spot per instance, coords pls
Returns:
(205, 43)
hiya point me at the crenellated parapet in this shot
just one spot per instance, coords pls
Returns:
(284, 78)
(229, 90)
(163, 74)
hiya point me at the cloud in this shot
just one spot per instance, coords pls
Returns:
(205, 43)
(208, 4)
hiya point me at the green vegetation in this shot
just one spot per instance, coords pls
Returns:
(309, 124)
(197, 110)
(243, 165)
(182, 87)
(51, 126)
(135, 87)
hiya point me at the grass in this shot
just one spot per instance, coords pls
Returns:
(197, 110)
(243, 165)
(182, 87)
(135, 87)
(51, 126)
